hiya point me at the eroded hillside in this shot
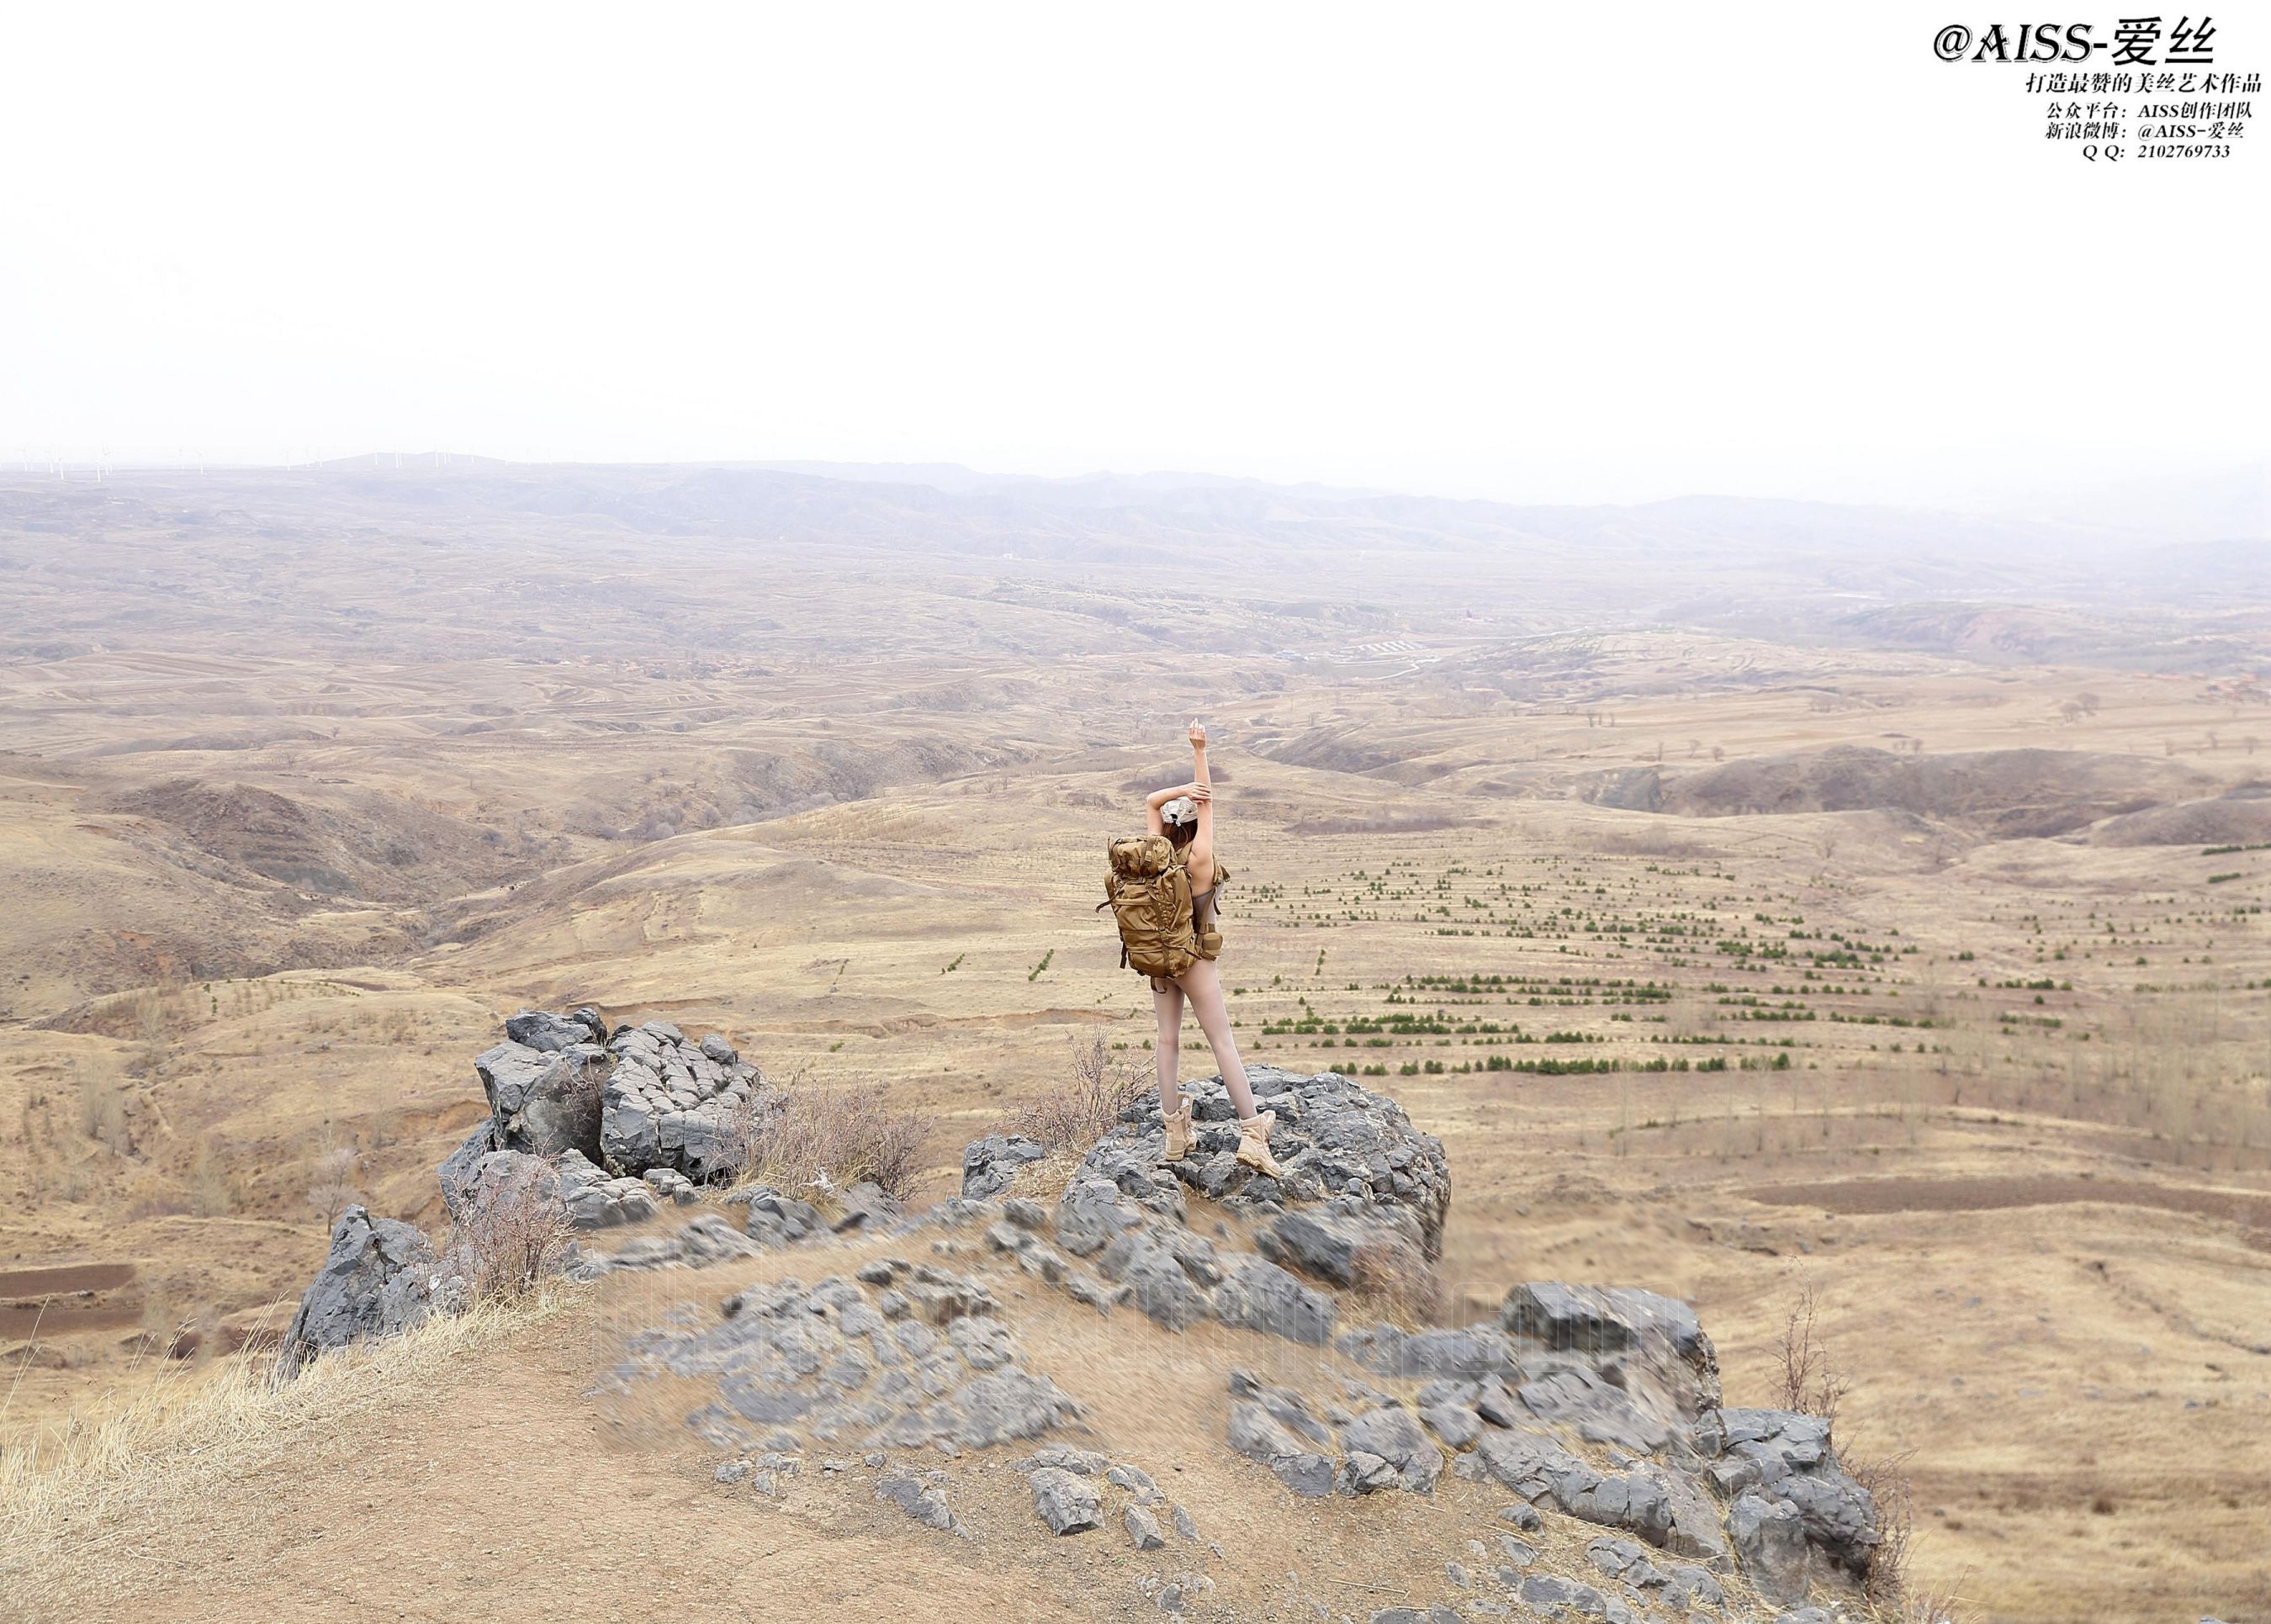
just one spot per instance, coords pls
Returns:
(1837, 952)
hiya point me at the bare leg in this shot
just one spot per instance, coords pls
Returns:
(1204, 987)
(1168, 1005)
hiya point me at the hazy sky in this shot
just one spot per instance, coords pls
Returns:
(1543, 253)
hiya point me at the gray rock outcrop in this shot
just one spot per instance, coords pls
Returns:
(989, 1164)
(670, 1102)
(1626, 1334)
(1066, 1502)
(901, 1356)
(1333, 1139)
(381, 1279)
(642, 1098)
(1787, 1459)
(544, 1101)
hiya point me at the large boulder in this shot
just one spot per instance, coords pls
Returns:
(1769, 1539)
(381, 1279)
(544, 1101)
(1357, 1171)
(460, 1169)
(1788, 1459)
(670, 1102)
(549, 1034)
(594, 1200)
(1649, 1345)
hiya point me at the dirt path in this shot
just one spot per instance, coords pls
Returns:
(506, 1495)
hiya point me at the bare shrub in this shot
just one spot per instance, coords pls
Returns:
(1811, 1382)
(331, 1178)
(1896, 1593)
(1395, 1277)
(511, 1237)
(211, 1194)
(102, 1111)
(1074, 1114)
(825, 1140)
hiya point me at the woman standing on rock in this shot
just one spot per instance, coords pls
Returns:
(1186, 941)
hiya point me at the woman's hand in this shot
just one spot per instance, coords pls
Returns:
(1198, 738)
(1199, 792)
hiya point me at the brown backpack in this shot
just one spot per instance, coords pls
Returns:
(1148, 892)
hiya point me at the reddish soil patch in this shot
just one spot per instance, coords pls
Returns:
(1856, 1196)
(55, 1302)
(61, 1319)
(65, 1278)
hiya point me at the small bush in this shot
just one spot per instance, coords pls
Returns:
(829, 1139)
(1811, 1382)
(511, 1237)
(1074, 1114)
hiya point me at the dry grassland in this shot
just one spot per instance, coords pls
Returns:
(1986, 1063)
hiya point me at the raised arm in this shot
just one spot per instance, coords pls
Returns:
(1159, 798)
(1202, 842)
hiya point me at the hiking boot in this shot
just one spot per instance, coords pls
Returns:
(1179, 1133)
(1254, 1144)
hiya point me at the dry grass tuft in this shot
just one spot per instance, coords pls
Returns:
(825, 1140)
(1075, 1113)
(72, 1501)
(1396, 1279)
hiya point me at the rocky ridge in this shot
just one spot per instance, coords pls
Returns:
(1578, 1407)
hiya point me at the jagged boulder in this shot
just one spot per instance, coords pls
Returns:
(644, 1098)
(584, 1197)
(670, 1102)
(922, 1501)
(1332, 1137)
(1261, 1296)
(1273, 1425)
(461, 1168)
(1391, 1435)
(1769, 1540)
(594, 1200)
(1067, 1503)
(381, 1279)
(1631, 1336)
(549, 1034)
(544, 1101)
(1788, 1459)
(989, 1164)
(778, 1221)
